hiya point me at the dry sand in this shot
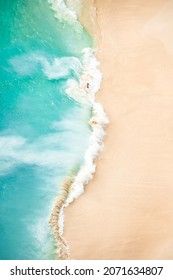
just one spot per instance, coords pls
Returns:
(127, 210)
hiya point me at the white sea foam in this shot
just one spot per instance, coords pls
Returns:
(51, 151)
(83, 92)
(85, 174)
(65, 14)
(90, 79)
(59, 68)
(74, 5)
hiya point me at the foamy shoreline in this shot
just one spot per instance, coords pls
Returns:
(84, 93)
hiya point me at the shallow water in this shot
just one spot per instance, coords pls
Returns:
(43, 132)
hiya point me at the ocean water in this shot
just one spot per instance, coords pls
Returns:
(44, 132)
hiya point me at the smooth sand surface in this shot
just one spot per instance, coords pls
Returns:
(127, 210)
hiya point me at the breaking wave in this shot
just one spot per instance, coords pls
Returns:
(82, 91)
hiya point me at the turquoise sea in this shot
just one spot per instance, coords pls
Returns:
(43, 132)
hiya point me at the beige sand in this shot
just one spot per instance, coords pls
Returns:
(127, 210)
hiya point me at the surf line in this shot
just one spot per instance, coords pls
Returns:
(84, 93)
(73, 186)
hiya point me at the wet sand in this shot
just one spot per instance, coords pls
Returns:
(127, 210)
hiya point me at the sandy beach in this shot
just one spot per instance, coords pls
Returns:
(126, 211)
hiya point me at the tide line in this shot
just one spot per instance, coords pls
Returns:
(83, 92)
